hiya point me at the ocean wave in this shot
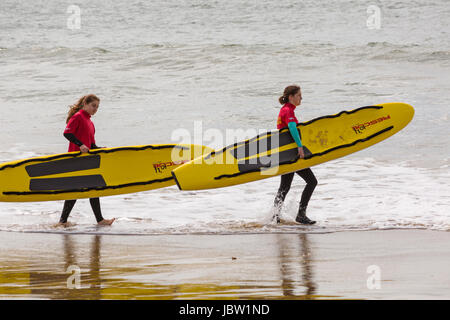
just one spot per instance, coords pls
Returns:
(42, 54)
(182, 56)
(411, 52)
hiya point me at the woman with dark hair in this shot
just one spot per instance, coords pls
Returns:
(292, 98)
(80, 132)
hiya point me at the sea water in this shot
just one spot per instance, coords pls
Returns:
(161, 66)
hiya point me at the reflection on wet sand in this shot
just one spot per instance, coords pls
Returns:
(258, 266)
(308, 275)
(50, 274)
(291, 265)
(60, 281)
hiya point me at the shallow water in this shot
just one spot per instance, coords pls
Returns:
(369, 197)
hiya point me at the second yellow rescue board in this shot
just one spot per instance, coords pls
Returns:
(275, 153)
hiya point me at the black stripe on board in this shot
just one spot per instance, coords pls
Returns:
(308, 156)
(141, 183)
(263, 145)
(267, 161)
(97, 151)
(67, 183)
(63, 166)
(269, 133)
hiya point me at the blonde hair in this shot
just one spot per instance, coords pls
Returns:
(80, 104)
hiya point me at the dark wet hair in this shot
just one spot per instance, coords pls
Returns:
(289, 90)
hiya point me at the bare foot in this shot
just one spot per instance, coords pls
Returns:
(62, 224)
(107, 222)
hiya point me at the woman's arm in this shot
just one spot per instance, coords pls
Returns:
(71, 137)
(294, 133)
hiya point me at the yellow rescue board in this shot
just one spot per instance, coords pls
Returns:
(275, 153)
(99, 173)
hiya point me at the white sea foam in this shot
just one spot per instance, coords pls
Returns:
(352, 194)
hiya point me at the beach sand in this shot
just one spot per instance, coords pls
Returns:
(389, 264)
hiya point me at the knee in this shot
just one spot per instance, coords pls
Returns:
(313, 182)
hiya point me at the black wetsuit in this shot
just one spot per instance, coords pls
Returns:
(285, 185)
(68, 204)
(286, 118)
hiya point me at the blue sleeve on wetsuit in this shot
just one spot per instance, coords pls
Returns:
(294, 132)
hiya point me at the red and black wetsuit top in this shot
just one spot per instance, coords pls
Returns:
(80, 130)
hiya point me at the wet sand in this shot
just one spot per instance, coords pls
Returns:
(390, 264)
